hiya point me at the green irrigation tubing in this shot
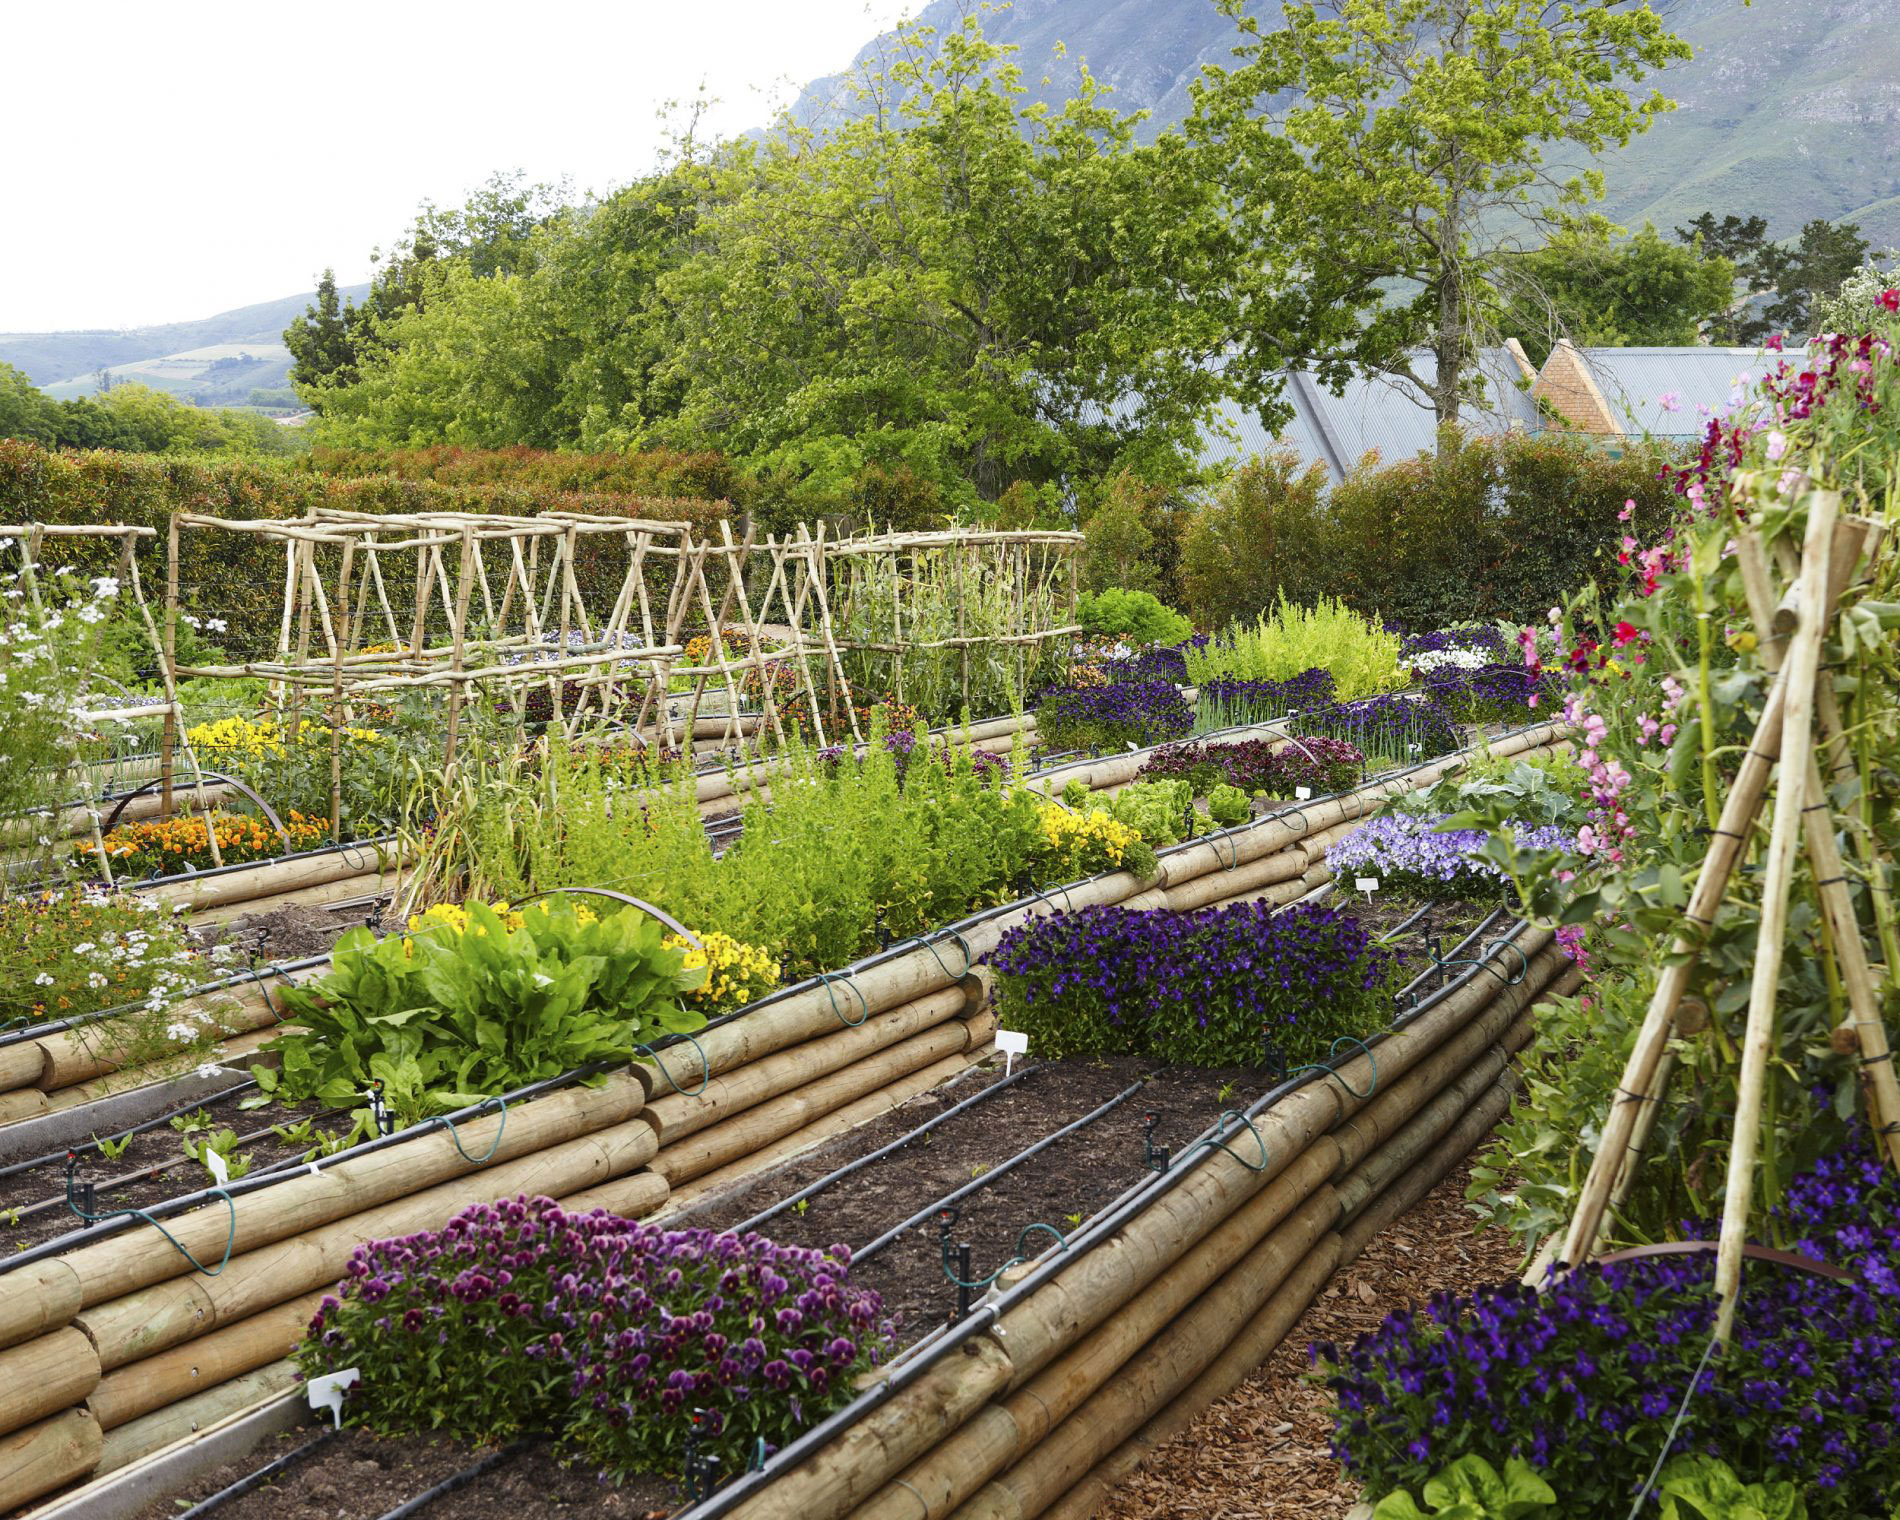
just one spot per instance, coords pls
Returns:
(1218, 1140)
(230, 1238)
(826, 978)
(1483, 958)
(705, 1067)
(1017, 1260)
(494, 1145)
(1330, 1067)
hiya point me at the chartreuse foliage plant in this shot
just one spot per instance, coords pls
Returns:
(1134, 617)
(447, 1016)
(605, 1333)
(1357, 652)
(1472, 1489)
(848, 851)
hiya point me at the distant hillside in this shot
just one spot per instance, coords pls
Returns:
(1790, 108)
(216, 361)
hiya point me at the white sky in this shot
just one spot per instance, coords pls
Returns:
(174, 160)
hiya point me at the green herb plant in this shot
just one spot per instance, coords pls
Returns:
(444, 1018)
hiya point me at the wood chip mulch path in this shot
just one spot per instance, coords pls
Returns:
(1260, 1453)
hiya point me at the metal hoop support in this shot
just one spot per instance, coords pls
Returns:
(621, 897)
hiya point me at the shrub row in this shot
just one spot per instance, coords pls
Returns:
(239, 578)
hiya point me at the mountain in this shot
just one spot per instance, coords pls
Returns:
(1790, 109)
(215, 361)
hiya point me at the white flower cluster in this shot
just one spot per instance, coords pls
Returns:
(1456, 659)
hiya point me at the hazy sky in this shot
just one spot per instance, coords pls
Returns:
(174, 160)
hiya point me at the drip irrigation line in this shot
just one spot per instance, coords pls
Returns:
(203, 989)
(15, 1168)
(951, 1199)
(230, 1239)
(1022, 1247)
(283, 1171)
(1458, 949)
(113, 1184)
(456, 1480)
(263, 1475)
(859, 1163)
(903, 1373)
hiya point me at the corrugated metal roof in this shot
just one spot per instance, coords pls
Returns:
(1673, 392)
(1374, 414)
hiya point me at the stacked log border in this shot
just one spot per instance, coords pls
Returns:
(112, 1346)
(1077, 1366)
(76, 1066)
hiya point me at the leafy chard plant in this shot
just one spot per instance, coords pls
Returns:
(444, 1018)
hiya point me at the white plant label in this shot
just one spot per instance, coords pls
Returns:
(1365, 884)
(214, 1164)
(1012, 1043)
(327, 1392)
(1301, 793)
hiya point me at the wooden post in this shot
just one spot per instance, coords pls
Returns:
(463, 587)
(169, 740)
(1797, 760)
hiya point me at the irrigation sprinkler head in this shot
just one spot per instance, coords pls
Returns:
(1157, 1157)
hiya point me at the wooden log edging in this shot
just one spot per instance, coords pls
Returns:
(936, 1447)
(875, 1035)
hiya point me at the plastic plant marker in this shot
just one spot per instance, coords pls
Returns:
(1012, 1043)
(327, 1392)
(1367, 884)
(1302, 793)
(214, 1164)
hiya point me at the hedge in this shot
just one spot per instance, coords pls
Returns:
(240, 578)
(1485, 528)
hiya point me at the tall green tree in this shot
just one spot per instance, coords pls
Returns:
(1396, 158)
(957, 280)
(321, 353)
(1776, 286)
(1594, 288)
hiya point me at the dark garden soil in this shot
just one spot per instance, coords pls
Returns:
(289, 934)
(1261, 1453)
(40, 1193)
(1061, 1187)
(358, 1476)
(1443, 927)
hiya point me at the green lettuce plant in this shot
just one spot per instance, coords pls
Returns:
(1472, 1489)
(444, 1019)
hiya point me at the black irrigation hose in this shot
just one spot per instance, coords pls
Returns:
(995, 1172)
(1105, 1223)
(263, 1475)
(110, 1185)
(456, 1480)
(283, 1171)
(15, 1168)
(1456, 950)
(222, 984)
(792, 1202)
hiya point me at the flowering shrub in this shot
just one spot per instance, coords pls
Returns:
(736, 973)
(500, 1007)
(1583, 1379)
(79, 950)
(1215, 987)
(1121, 715)
(1410, 854)
(1081, 843)
(516, 1317)
(1495, 693)
(167, 846)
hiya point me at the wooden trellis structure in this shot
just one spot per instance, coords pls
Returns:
(31, 539)
(1801, 740)
(954, 593)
